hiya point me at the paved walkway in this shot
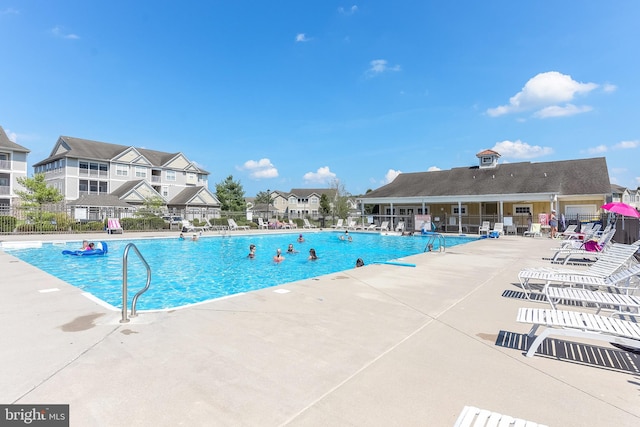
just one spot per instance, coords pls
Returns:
(381, 345)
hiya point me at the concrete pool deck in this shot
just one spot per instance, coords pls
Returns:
(375, 346)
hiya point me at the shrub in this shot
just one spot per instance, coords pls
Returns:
(7, 223)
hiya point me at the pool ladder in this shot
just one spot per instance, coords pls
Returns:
(125, 259)
(433, 237)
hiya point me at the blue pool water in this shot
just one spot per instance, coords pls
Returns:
(186, 272)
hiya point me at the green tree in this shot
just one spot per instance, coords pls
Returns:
(368, 209)
(37, 194)
(325, 205)
(152, 207)
(263, 198)
(231, 195)
(340, 205)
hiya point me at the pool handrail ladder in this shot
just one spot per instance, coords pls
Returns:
(125, 259)
(442, 245)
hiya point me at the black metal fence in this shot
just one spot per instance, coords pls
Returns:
(62, 218)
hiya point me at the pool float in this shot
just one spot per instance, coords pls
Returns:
(100, 249)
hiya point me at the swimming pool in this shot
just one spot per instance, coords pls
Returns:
(186, 272)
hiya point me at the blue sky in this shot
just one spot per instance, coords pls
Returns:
(292, 94)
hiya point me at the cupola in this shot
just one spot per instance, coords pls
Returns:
(488, 159)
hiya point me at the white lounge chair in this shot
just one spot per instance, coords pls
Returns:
(307, 224)
(351, 224)
(292, 224)
(534, 230)
(188, 226)
(113, 226)
(484, 228)
(261, 224)
(476, 417)
(569, 233)
(338, 224)
(400, 227)
(614, 291)
(234, 226)
(616, 258)
(384, 226)
(498, 227)
(565, 253)
(580, 325)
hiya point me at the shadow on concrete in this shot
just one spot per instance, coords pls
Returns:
(583, 354)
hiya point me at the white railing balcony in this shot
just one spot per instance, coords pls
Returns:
(5, 190)
(155, 178)
(93, 173)
(5, 164)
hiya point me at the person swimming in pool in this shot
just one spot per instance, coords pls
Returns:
(85, 245)
(290, 249)
(252, 251)
(346, 236)
(278, 257)
(300, 239)
(312, 255)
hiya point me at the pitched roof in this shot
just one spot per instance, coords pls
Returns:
(488, 153)
(195, 196)
(615, 188)
(96, 150)
(103, 200)
(569, 177)
(304, 192)
(6, 143)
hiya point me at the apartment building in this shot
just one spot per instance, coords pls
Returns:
(13, 165)
(80, 167)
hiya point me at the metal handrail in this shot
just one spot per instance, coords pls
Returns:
(442, 244)
(125, 259)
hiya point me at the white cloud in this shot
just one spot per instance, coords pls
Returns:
(433, 169)
(521, 150)
(13, 137)
(301, 37)
(597, 150)
(378, 66)
(9, 11)
(391, 175)
(638, 181)
(262, 168)
(322, 175)
(608, 88)
(626, 145)
(58, 32)
(623, 145)
(557, 111)
(550, 89)
(350, 11)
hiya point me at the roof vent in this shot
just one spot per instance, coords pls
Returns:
(545, 174)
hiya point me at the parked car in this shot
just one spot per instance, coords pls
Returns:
(171, 220)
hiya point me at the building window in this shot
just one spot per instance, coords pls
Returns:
(314, 200)
(486, 160)
(171, 175)
(86, 186)
(122, 170)
(455, 210)
(165, 191)
(141, 172)
(522, 210)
